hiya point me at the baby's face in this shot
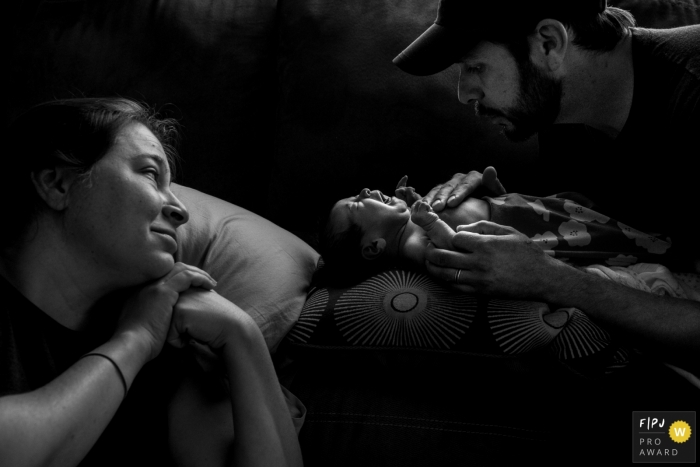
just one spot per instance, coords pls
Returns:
(373, 211)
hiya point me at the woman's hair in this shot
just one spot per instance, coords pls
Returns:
(73, 133)
(341, 251)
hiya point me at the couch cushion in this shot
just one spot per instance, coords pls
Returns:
(259, 266)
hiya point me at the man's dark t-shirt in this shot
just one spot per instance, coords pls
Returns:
(647, 176)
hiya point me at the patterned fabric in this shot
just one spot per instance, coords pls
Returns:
(397, 310)
(568, 230)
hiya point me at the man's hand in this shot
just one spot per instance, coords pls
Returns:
(495, 260)
(500, 261)
(461, 186)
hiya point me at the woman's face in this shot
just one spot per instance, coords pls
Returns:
(124, 220)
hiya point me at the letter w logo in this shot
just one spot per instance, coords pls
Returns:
(680, 432)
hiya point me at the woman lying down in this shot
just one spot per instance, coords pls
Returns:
(371, 231)
(95, 308)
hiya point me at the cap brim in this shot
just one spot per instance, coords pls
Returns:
(433, 51)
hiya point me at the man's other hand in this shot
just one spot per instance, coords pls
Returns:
(494, 259)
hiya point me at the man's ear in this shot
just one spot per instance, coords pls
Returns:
(373, 249)
(549, 44)
(53, 186)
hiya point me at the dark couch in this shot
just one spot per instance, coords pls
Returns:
(287, 106)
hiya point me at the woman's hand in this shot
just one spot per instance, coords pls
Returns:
(461, 186)
(148, 312)
(207, 318)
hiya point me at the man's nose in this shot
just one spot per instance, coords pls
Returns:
(468, 90)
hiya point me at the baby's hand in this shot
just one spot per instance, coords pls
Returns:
(422, 214)
(406, 193)
(437, 230)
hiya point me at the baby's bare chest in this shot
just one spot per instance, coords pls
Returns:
(471, 210)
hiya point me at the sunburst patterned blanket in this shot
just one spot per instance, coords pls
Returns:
(400, 309)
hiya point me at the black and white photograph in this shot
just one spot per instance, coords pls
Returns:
(350, 233)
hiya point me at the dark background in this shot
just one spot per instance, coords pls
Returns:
(286, 105)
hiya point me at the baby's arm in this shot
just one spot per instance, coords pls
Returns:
(438, 231)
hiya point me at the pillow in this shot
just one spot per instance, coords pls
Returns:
(258, 265)
(399, 310)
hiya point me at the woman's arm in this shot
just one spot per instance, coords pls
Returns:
(255, 409)
(265, 434)
(59, 423)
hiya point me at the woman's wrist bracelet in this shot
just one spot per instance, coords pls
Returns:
(119, 371)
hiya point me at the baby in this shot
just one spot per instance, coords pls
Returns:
(372, 231)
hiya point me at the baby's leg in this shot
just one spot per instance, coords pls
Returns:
(438, 231)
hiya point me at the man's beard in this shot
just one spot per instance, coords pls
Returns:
(537, 105)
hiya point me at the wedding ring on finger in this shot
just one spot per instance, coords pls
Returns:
(459, 271)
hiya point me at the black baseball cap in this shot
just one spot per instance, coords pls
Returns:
(461, 24)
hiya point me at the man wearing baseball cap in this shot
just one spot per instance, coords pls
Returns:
(617, 111)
